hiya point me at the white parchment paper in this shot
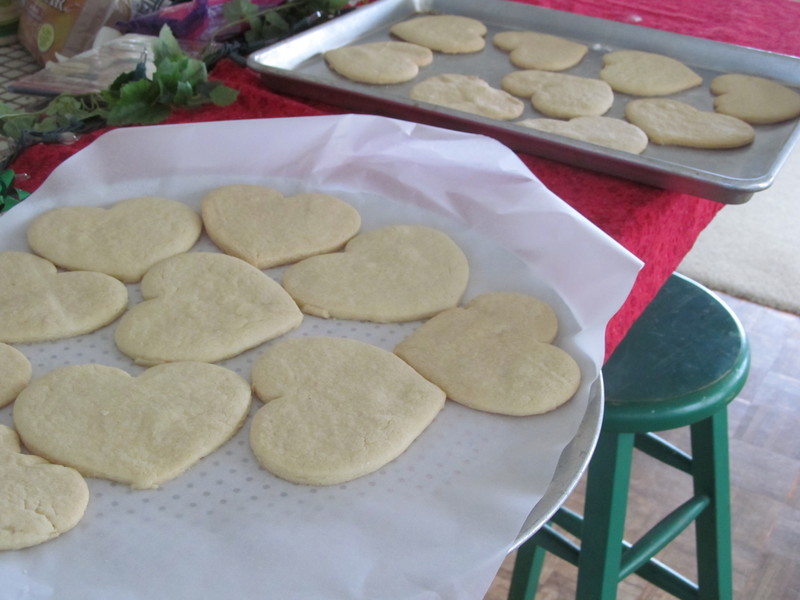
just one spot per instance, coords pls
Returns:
(435, 523)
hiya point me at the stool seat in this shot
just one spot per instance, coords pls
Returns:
(684, 359)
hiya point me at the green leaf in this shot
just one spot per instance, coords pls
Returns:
(9, 195)
(334, 5)
(138, 104)
(139, 91)
(47, 124)
(275, 20)
(183, 94)
(194, 71)
(16, 127)
(237, 9)
(166, 79)
(122, 79)
(166, 46)
(222, 95)
(138, 113)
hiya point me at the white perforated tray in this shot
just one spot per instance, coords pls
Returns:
(439, 519)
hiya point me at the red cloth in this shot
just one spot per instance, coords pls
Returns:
(658, 226)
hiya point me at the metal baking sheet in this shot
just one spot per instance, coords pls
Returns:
(296, 66)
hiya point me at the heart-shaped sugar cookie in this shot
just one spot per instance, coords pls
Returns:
(390, 274)
(468, 93)
(204, 306)
(754, 99)
(40, 500)
(495, 354)
(142, 430)
(533, 50)
(646, 73)
(674, 123)
(263, 227)
(380, 63)
(336, 409)
(451, 34)
(38, 304)
(123, 241)
(15, 372)
(560, 95)
(603, 131)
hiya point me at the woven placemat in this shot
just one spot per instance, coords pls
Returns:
(16, 61)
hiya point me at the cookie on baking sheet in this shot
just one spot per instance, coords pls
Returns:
(646, 73)
(336, 409)
(391, 274)
(450, 34)
(560, 95)
(265, 228)
(673, 123)
(141, 430)
(40, 500)
(122, 241)
(468, 93)
(380, 63)
(757, 100)
(204, 306)
(603, 131)
(533, 50)
(15, 373)
(38, 303)
(495, 354)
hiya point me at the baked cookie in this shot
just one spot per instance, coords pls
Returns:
(39, 501)
(495, 354)
(39, 304)
(646, 73)
(15, 373)
(450, 34)
(468, 93)
(391, 274)
(204, 306)
(142, 430)
(753, 99)
(560, 95)
(265, 228)
(336, 409)
(122, 241)
(380, 63)
(603, 131)
(673, 123)
(533, 50)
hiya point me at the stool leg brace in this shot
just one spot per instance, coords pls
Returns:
(604, 558)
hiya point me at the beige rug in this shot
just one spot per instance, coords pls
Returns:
(752, 250)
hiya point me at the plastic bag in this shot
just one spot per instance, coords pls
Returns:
(51, 29)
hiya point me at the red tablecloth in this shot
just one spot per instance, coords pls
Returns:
(658, 226)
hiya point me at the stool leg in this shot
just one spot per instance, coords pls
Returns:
(527, 568)
(713, 526)
(604, 517)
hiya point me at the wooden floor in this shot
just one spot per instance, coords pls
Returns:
(764, 425)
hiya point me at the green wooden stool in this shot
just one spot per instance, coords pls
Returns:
(680, 365)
